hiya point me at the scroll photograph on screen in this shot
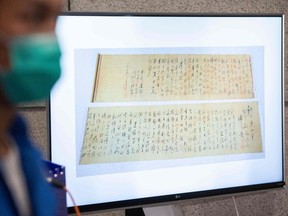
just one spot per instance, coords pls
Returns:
(170, 132)
(148, 107)
(172, 77)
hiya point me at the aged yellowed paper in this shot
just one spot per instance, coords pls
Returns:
(118, 134)
(162, 77)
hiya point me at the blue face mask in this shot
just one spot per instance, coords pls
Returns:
(34, 68)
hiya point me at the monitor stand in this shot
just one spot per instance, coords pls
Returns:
(134, 212)
(169, 210)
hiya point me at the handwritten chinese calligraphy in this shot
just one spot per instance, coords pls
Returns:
(117, 134)
(162, 77)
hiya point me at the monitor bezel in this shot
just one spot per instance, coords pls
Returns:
(189, 195)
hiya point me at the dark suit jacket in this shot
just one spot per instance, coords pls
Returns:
(40, 192)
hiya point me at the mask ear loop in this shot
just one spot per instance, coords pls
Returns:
(4, 101)
(3, 98)
(5, 41)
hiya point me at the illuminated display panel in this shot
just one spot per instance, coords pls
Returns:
(157, 108)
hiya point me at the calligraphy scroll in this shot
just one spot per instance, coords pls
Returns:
(117, 134)
(162, 77)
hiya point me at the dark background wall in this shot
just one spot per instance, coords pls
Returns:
(264, 203)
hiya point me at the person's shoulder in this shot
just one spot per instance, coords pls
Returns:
(41, 193)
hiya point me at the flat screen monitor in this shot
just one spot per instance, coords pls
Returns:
(155, 108)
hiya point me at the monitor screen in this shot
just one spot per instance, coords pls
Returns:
(163, 107)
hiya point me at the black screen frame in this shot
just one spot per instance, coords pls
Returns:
(189, 195)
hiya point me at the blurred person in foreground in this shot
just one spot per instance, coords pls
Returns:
(29, 67)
